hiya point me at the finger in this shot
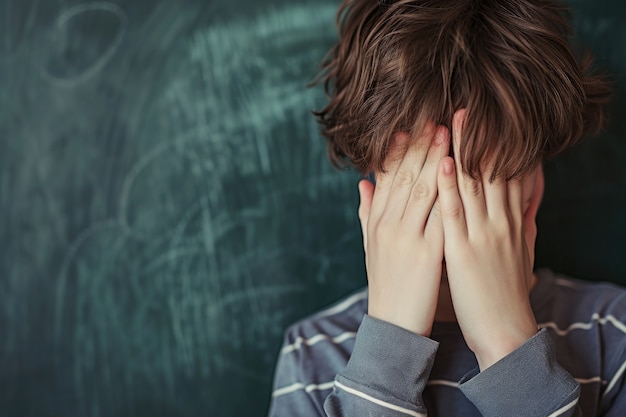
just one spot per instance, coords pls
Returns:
(433, 231)
(515, 191)
(366, 194)
(424, 191)
(496, 197)
(450, 204)
(530, 211)
(408, 172)
(470, 190)
(384, 180)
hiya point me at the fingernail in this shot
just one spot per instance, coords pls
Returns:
(448, 167)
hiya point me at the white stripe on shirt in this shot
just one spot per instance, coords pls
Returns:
(344, 305)
(316, 339)
(443, 382)
(565, 408)
(440, 382)
(595, 318)
(616, 378)
(300, 386)
(590, 380)
(615, 322)
(379, 402)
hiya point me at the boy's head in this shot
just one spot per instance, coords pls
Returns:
(399, 64)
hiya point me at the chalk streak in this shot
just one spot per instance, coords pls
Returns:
(106, 56)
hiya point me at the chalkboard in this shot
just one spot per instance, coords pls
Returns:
(167, 209)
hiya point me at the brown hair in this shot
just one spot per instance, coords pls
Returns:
(399, 64)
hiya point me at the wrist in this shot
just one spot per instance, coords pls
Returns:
(502, 344)
(418, 322)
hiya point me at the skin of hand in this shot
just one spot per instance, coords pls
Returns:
(489, 238)
(402, 234)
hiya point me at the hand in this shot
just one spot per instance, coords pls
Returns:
(487, 257)
(402, 235)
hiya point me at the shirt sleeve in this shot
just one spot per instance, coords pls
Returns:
(529, 382)
(386, 374)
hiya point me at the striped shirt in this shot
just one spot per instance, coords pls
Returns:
(341, 362)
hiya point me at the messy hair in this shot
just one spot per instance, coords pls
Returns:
(400, 64)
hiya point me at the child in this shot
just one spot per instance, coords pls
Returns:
(453, 105)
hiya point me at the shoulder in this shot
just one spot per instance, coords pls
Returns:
(587, 322)
(575, 308)
(585, 312)
(331, 326)
(318, 347)
(566, 298)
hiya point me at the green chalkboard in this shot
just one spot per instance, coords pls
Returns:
(166, 206)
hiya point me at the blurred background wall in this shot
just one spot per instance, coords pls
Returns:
(166, 206)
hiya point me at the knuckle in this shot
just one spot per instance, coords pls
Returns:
(502, 231)
(472, 187)
(382, 184)
(454, 211)
(449, 185)
(497, 237)
(421, 147)
(420, 191)
(404, 177)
